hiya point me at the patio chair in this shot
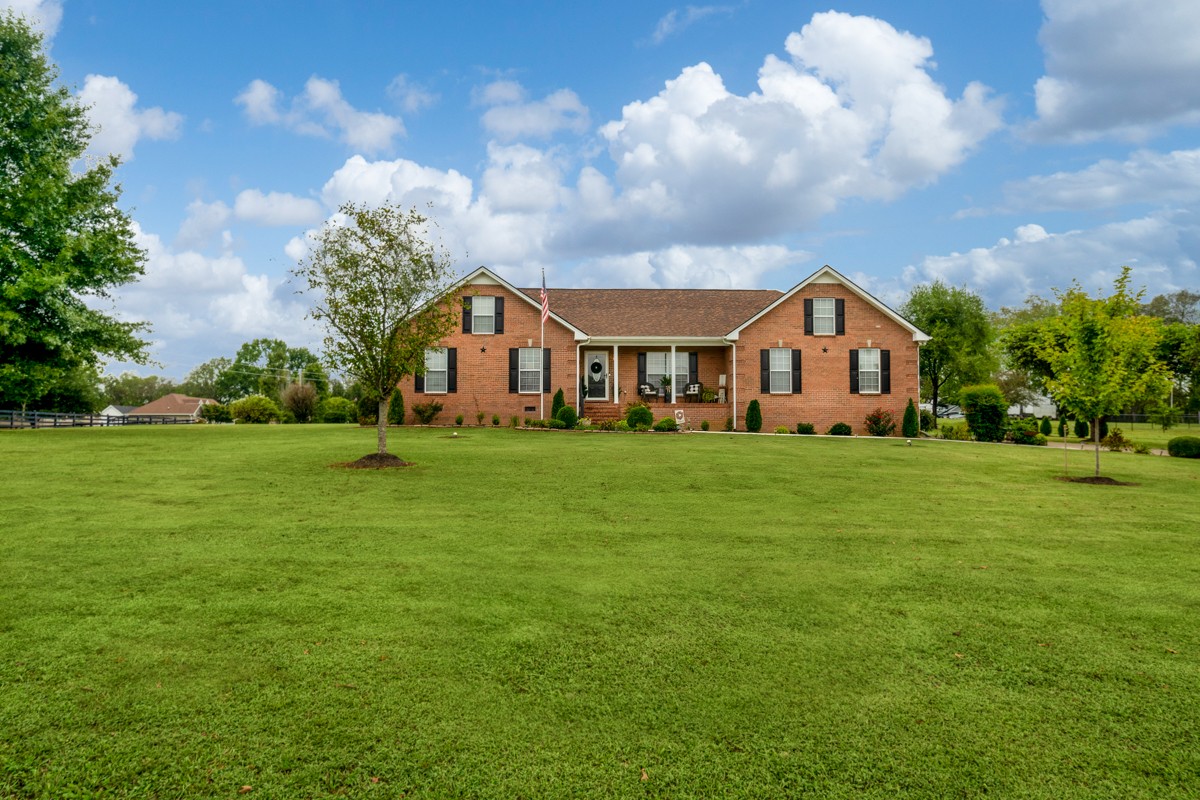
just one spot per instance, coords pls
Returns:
(692, 392)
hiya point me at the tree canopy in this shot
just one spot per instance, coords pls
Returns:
(381, 289)
(958, 354)
(64, 244)
(266, 367)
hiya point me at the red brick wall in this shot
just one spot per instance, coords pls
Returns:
(483, 376)
(825, 376)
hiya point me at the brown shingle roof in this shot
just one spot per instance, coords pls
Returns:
(173, 404)
(657, 312)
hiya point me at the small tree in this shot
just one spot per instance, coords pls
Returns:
(300, 399)
(1045, 426)
(396, 409)
(753, 417)
(985, 408)
(911, 426)
(557, 404)
(381, 289)
(1102, 353)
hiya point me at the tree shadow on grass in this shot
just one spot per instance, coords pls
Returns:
(1095, 480)
(374, 461)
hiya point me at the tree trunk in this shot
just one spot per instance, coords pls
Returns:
(934, 387)
(381, 424)
(1096, 441)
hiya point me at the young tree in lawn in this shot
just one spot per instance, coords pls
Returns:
(958, 353)
(1102, 354)
(64, 244)
(380, 287)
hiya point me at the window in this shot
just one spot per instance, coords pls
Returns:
(437, 371)
(824, 321)
(868, 371)
(658, 364)
(483, 314)
(529, 370)
(781, 370)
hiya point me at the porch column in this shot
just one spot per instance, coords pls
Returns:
(671, 367)
(616, 376)
(735, 386)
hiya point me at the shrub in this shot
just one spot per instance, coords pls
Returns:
(336, 410)
(527, 422)
(479, 415)
(256, 409)
(556, 424)
(958, 433)
(514, 421)
(782, 429)
(1044, 428)
(666, 425)
(609, 424)
(286, 417)
(839, 429)
(1115, 441)
(1062, 427)
(425, 412)
(300, 399)
(985, 408)
(1184, 447)
(729, 423)
(557, 404)
(927, 419)
(703, 424)
(911, 425)
(622, 425)
(396, 409)
(536, 423)
(567, 416)
(1141, 449)
(639, 415)
(1025, 431)
(495, 420)
(215, 413)
(805, 428)
(458, 420)
(1082, 431)
(880, 422)
(753, 417)
(368, 410)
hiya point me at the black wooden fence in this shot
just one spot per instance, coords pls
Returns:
(42, 419)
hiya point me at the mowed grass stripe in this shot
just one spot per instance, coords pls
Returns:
(184, 611)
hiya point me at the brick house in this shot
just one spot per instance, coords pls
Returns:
(824, 351)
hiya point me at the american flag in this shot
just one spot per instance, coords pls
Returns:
(545, 300)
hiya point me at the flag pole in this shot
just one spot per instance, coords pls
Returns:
(542, 353)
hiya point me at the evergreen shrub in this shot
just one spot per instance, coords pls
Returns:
(753, 417)
(567, 416)
(805, 428)
(639, 415)
(911, 425)
(840, 429)
(1184, 447)
(666, 425)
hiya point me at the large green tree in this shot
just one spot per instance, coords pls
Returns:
(131, 389)
(266, 366)
(202, 380)
(380, 287)
(64, 244)
(959, 351)
(1102, 354)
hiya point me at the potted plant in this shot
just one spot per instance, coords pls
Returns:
(666, 388)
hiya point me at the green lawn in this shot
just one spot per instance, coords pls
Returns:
(187, 611)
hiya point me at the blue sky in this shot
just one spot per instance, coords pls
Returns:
(1006, 146)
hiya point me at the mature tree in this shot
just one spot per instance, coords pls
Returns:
(62, 238)
(130, 389)
(76, 391)
(1182, 306)
(266, 366)
(202, 381)
(381, 289)
(1102, 354)
(1022, 373)
(1179, 349)
(958, 353)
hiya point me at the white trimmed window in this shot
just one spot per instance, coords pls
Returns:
(868, 370)
(529, 365)
(436, 371)
(658, 364)
(824, 323)
(781, 370)
(483, 315)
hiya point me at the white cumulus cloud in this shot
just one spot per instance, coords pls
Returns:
(118, 122)
(513, 116)
(276, 208)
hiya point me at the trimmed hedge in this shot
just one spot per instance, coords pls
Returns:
(1184, 447)
(639, 415)
(566, 415)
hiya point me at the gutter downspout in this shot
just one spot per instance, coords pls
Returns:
(578, 379)
(735, 386)
(616, 376)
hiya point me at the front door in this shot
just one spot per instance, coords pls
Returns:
(595, 372)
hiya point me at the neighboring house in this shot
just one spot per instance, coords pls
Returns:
(116, 411)
(173, 405)
(824, 351)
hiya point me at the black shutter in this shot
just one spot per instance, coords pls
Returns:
(641, 370)
(693, 367)
(808, 314)
(466, 315)
(853, 372)
(839, 317)
(545, 369)
(419, 384)
(514, 370)
(795, 372)
(764, 363)
(885, 371)
(451, 369)
(499, 327)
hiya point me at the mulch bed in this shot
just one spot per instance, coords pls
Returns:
(1094, 480)
(375, 461)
